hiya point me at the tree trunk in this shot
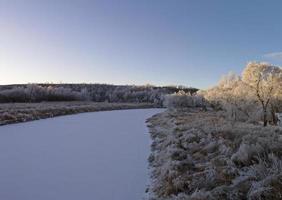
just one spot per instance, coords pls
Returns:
(264, 117)
(274, 117)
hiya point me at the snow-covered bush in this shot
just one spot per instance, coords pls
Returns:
(183, 100)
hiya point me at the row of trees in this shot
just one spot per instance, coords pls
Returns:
(88, 92)
(36, 93)
(255, 95)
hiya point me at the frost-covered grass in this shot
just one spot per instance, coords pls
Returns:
(202, 155)
(21, 112)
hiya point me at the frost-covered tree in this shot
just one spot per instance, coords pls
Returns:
(263, 80)
(231, 94)
(254, 95)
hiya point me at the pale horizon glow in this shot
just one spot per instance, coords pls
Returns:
(191, 43)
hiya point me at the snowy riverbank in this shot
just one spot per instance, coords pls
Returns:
(22, 112)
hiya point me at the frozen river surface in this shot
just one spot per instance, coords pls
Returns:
(90, 156)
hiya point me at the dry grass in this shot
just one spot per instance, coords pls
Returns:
(200, 155)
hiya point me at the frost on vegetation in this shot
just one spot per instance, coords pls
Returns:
(88, 92)
(223, 152)
(201, 155)
(255, 96)
(182, 99)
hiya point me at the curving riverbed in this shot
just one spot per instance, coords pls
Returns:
(90, 156)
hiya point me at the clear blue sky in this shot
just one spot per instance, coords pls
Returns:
(189, 42)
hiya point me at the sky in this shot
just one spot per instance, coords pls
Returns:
(161, 42)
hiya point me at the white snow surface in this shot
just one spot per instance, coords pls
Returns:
(89, 156)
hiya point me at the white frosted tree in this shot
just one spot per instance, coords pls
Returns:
(232, 95)
(263, 80)
(256, 94)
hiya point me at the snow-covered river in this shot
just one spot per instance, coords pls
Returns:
(89, 156)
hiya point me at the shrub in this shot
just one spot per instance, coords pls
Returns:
(183, 100)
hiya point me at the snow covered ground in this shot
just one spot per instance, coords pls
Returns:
(90, 156)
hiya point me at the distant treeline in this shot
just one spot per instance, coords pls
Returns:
(88, 92)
